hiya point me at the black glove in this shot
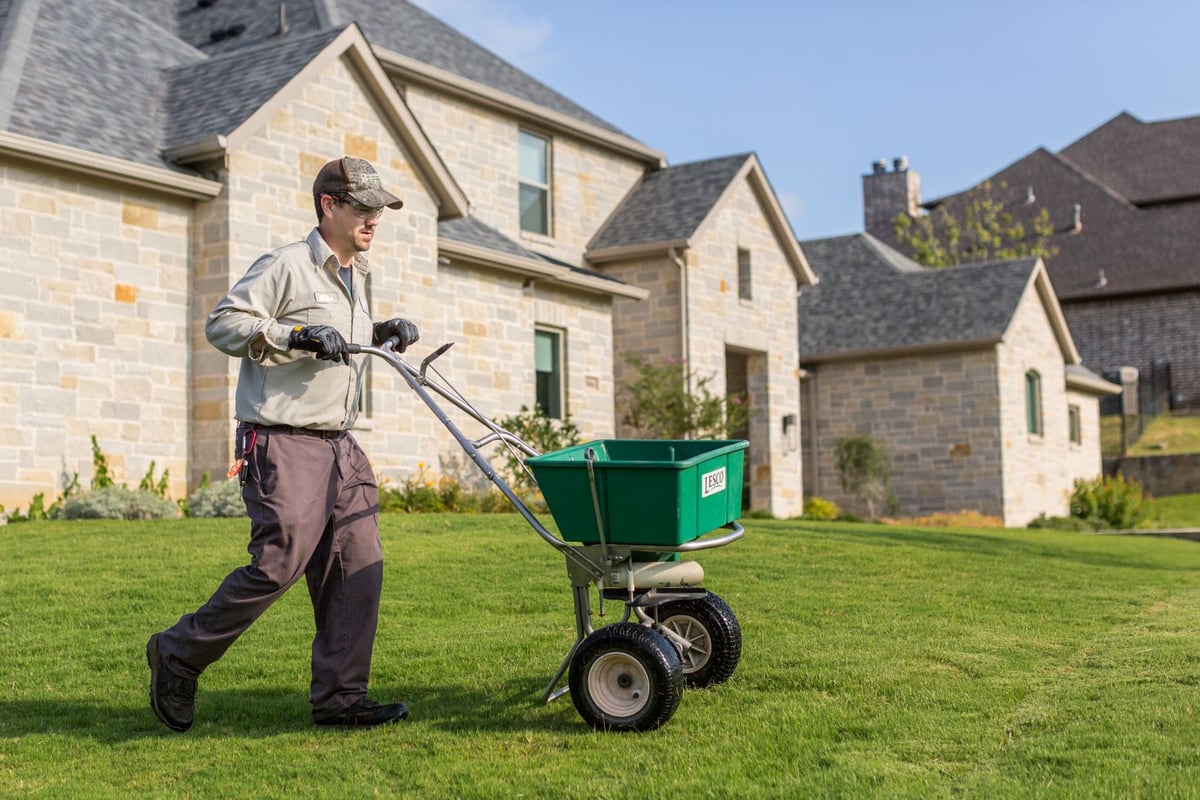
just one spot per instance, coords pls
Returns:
(402, 329)
(324, 340)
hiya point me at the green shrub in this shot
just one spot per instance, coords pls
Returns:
(1115, 502)
(541, 432)
(1043, 522)
(864, 468)
(220, 499)
(117, 502)
(421, 493)
(670, 401)
(816, 508)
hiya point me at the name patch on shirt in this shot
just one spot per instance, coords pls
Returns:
(326, 297)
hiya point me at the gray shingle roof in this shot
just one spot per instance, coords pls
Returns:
(394, 25)
(668, 204)
(871, 299)
(127, 78)
(1144, 162)
(92, 79)
(1120, 248)
(403, 28)
(470, 230)
(217, 95)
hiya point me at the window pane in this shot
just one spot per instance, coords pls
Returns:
(548, 370)
(533, 210)
(744, 275)
(1033, 402)
(532, 158)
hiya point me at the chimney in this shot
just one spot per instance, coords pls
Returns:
(886, 194)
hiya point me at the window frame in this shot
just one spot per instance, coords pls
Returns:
(745, 281)
(1035, 422)
(1074, 424)
(558, 354)
(545, 188)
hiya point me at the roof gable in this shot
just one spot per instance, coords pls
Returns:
(261, 80)
(873, 301)
(669, 207)
(1134, 190)
(1146, 162)
(412, 44)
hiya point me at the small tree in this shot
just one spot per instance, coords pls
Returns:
(987, 231)
(864, 468)
(658, 405)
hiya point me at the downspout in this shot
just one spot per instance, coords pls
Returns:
(814, 427)
(683, 317)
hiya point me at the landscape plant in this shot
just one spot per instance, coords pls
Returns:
(1111, 502)
(864, 469)
(986, 231)
(669, 400)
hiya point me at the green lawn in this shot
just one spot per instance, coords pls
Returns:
(878, 662)
(1178, 511)
(1167, 434)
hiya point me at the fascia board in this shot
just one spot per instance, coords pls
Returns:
(881, 354)
(628, 252)
(539, 270)
(73, 159)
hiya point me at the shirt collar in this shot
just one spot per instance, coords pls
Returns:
(322, 253)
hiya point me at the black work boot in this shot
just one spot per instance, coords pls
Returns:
(173, 697)
(365, 713)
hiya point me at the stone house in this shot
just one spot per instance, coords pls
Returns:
(150, 150)
(1124, 201)
(968, 376)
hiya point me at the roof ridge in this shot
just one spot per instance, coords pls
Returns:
(258, 47)
(1092, 179)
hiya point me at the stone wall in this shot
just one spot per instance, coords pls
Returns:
(1137, 331)
(480, 148)
(938, 417)
(1160, 476)
(93, 332)
(489, 314)
(762, 329)
(106, 291)
(1036, 478)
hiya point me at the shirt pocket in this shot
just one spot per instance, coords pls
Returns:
(323, 309)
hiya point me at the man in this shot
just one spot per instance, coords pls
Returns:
(309, 490)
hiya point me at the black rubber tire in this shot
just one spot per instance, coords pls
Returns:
(626, 677)
(713, 634)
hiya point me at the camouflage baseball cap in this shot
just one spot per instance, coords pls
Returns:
(356, 178)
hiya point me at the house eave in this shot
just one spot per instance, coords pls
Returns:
(539, 270)
(1091, 385)
(635, 251)
(128, 173)
(878, 354)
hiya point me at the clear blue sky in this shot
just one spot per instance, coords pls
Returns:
(822, 89)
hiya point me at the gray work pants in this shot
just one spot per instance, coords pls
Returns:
(314, 511)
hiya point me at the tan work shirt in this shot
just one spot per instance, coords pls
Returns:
(295, 285)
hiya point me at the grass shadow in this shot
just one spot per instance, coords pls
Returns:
(260, 713)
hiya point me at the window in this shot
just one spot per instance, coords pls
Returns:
(743, 274)
(533, 171)
(547, 350)
(1075, 425)
(1033, 402)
